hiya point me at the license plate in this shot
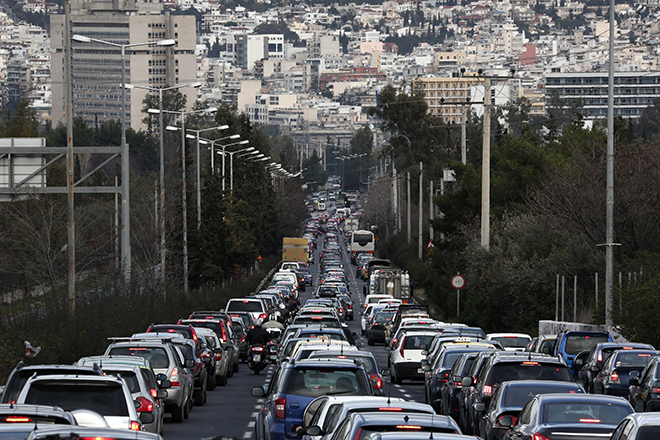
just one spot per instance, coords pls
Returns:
(256, 357)
(420, 371)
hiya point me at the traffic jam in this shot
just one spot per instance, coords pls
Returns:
(336, 346)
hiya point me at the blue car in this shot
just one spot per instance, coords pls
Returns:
(294, 385)
(570, 343)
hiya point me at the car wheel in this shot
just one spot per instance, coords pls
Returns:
(395, 379)
(221, 380)
(190, 404)
(205, 396)
(236, 366)
(230, 371)
(178, 413)
(370, 341)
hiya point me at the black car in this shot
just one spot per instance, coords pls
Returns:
(504, 366)
(620, 367)
(451, 391)
(379, 328)
(644, 391)
(510, 398)
(569, 417)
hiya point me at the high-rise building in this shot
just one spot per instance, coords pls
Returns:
(96, 67)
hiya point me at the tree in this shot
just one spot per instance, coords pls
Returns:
(314, 172)
(23, 123)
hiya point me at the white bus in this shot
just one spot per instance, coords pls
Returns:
(362, 241)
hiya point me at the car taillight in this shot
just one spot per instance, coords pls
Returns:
(174, 378)
(145, 405)
(537, 436)
(218, 356)
(600, 357)
(257, 348)
(614, 378)
(263, 316)
(135, 426)
(513, 421)
(401, 349)
(488, 390)
(280, 407)
(655, 390)
(154, 393)
(18, 419)
(376, 380)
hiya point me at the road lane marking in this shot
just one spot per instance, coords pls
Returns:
(257, 407)
(251, 424)
(247, 434)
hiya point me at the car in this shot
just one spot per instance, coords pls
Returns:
(21, 414)
(347, 303)
(510, 341)
(142, 382)
(22, 373)
(503, 366)
(644, 390)
(588, 363)
(406, 355)
(255, 307)
(327, 411)
(220, 323)
(638, 426)
(622, 365)
(108, 396)
(240, 330)
(569, 343)
(509, 399)
(218, 367)
(380, 326)
(358, 426)
(295, 385)
(167, 359)
(541, 344)
(569, 417)
(366, 315)
(63, 432)
(366, 358)
(451, 391)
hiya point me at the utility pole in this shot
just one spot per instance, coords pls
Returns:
(395, 200)
(485, 170)
(431, 210)
(71, 225)
(409, 232)
(609, 204)
(421, 212)
(464, 136)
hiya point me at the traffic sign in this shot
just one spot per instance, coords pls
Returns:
(430, 245)
(457, 281)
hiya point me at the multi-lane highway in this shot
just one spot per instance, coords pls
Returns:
(231, 411)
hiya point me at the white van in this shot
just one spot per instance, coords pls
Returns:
(287, 275)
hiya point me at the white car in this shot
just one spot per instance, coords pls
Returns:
(369, 311)
(108, 396)
(510, 341)
(406, 355)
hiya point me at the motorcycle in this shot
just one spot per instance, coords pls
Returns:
(257, 358)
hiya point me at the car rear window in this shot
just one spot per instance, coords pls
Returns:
(518, 396)
(323, 335)
(185, 330)
(157, 356)
(19, 379)
(578, 343)
(366, 431)
(105, 399)
(244, 306)
(129, 377)
(384, 317)
(326, 322)
(527, 370)
(632, 360)
(414, 342)
(450, 358)
(314, 382)
(648, 433)
(587, 413)
(512, 342)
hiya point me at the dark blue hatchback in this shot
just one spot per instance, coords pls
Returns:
(295, 385)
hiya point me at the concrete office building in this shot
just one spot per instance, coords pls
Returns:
(96, 68)
(633, 92)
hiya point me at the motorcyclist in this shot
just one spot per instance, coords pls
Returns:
(257, 335)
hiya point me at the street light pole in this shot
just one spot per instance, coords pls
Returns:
(125, 161)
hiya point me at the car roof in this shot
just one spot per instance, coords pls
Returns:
(646, 418)
(115, 359)
(67, 432)
(570, 398)
(335, 363)
(539, 383)
(36, 413)
(390, 418)
(520, 356)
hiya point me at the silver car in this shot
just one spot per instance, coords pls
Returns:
(167, 359)
(222, 360)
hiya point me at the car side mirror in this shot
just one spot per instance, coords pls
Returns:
(313, 431)
(162, 394)
(425, 352)
(147, 417)
(466, 381)
(203, 345)
(190, 363)
(426, 367)
(595, 368)
(257, 391)
(479, 406)
(165, 384)
(161, 377)
(385, 372)
(506, 421)
(377, 392)
(578, 362)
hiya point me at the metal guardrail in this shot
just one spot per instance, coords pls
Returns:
(267, 277)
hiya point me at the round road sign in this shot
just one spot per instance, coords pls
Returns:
(457, 281)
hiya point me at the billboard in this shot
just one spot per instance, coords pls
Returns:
(22, 171)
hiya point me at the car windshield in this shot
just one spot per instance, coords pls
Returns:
(103, 398)
(588, 413)
(415, 342)
(578, 343)
(315, 382)
(244, 306)
(129, 377)
(512, 341)
(157, 356)
(527, 370)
